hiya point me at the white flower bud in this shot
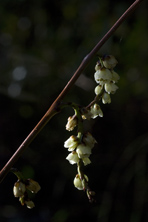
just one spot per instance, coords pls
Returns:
(73, 158)
(115, 76)
(33, 186)
(86, 161)
(106, 98)
(29, 204)
(71, 143)
(71, 124)
(98, 89)
(109, 62)
(83, 150)
(19, 189)
(78, 182)
(96, 111)
(89, 140)
(102, 74)
(110, 87)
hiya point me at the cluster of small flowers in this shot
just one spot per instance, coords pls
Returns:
(20, 190)
(106, 77)
(80, 151)
(81, 146)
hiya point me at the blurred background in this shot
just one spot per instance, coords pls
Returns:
(41, 45)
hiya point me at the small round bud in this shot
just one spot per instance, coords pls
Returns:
(29, 204)
(98, 66)
(78, 182)
(109, 61)
(98, 89)
(19, 189)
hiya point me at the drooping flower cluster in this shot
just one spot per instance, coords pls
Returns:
(20, 190)
(80, 150)
(80, 146)
(106, 77)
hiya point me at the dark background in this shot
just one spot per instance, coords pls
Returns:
(42, 43)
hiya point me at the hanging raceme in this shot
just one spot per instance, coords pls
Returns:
(80, 146)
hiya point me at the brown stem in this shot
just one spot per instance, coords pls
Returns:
(56, 104)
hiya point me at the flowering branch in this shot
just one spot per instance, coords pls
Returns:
(55, 107)
(81, 145)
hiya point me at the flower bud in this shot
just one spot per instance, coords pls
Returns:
(29, 204)
(73, 158)
(109, 61)
(96, 111)
(110, 87)
(71, 124)
(83, 150)
(33, 186)
(71, 143)
(102, 74)
(98, 89)
(78, 182)
(106, 98)
(19, 189)
(98, 66)
(115, 76)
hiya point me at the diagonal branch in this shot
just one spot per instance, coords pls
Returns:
(55, 107)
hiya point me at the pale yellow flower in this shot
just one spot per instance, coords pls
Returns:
(71, 143)
(106, 98)
(73, 158)
(102, 74)
(110, 87)
(83, 150)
